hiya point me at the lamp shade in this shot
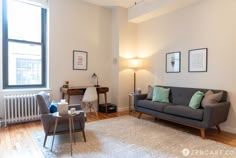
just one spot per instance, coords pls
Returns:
(94, 75)
(135, 63)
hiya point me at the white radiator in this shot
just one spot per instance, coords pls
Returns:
(20, 108)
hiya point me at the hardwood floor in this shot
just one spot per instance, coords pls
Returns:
(16, 141)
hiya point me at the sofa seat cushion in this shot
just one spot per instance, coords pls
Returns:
(184, 111)
(157, 106)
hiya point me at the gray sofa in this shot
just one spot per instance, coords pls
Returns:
(178, 110)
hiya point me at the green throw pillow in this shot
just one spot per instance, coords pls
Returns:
(196, 100)
(161, 94)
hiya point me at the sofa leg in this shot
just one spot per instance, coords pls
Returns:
(140, 115)
(202, 130)
(218, 129)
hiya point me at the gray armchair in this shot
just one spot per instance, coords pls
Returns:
(48, 120)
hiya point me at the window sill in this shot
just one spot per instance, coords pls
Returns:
(25, 90)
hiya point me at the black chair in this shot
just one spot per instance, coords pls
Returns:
(48, 120)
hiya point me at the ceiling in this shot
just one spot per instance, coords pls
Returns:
(120, 3)
(142, 10)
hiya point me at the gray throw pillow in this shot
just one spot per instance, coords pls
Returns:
(150, 92)
(211, 98)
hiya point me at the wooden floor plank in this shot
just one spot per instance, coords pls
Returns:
(17, 139)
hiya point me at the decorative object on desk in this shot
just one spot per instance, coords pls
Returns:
(80, 59)
(135, 64)
(62, 107)
(95, 76)
(66, 85)
(197, 60)
(173, 62)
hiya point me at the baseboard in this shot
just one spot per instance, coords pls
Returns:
(228, 129)
(119, 109)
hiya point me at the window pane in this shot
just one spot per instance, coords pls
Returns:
(24, 21)
(25, 64)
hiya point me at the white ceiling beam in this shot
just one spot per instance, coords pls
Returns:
(153, 8)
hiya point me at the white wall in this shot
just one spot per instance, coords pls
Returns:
(75, 25)
(115, 55)
(124, 47)
(210, 24)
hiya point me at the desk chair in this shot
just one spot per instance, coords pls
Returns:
(48, 120)
(90, 99)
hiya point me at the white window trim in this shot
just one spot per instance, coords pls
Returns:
(39, 3)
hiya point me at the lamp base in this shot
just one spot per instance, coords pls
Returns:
(96, 85)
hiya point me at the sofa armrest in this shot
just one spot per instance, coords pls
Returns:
(138, 97)
(215, 114)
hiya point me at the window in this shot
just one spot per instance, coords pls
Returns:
(24, 45)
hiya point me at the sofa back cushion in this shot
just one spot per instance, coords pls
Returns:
(183, 95)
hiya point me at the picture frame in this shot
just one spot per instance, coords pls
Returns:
(173, 62)
(197, 60)
(80, 60)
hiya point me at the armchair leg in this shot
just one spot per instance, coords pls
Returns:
(218, 129)
(45, 139)
(84, 135)
(140, 114)
(202, 130)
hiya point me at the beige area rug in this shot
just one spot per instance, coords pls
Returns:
(129, 137)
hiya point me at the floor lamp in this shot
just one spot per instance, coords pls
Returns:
(135, 64)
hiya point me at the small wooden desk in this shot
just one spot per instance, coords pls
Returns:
(79, 90)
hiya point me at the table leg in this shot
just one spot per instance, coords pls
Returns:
(69, 119)
(73, 128)
(54, 132)
(98, 99)
(129, 103)
(105, 95)
(68, 98)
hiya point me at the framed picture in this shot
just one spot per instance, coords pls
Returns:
(197, 60)
(173, 62)
(80, 59)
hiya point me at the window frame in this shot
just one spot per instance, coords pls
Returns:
(5, 50)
